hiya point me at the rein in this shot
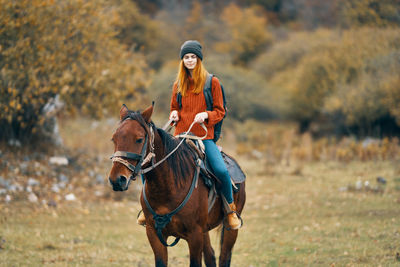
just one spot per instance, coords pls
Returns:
(183, 136)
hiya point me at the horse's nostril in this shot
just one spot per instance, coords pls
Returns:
(119, 184)
(122, 181)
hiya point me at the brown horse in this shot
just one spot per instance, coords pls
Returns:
(168, 186)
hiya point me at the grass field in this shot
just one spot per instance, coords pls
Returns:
(302, 215)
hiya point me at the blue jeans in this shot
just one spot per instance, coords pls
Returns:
(217, 163)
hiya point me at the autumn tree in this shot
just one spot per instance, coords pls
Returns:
(65, 48)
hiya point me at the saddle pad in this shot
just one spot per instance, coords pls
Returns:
(234, 169)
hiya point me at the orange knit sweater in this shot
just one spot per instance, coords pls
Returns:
(195, 103)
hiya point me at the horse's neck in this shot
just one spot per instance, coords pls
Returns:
(160, 182)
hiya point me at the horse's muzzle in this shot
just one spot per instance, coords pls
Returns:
(120, 184)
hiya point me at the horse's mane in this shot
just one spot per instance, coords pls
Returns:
(181, 161)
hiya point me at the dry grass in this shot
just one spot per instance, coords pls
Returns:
(291, 219)
(298, 213)
(280, 142)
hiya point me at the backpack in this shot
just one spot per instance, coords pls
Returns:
(209, 102)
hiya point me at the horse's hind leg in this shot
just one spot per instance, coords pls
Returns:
(159, 250)
(208, 251)
(228, 239)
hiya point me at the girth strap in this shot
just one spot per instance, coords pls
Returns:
(161, 221)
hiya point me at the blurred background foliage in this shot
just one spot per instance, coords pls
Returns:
(329, 66)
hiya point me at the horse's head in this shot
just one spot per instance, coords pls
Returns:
(131, 141)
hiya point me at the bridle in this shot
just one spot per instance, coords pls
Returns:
(122, 156)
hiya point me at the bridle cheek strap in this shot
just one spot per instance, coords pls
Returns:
(148, 158)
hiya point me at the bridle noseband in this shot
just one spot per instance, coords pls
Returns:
(121, 156)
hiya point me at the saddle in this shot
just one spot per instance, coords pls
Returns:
(210, 179)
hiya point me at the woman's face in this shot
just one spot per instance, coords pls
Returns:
(190, 61)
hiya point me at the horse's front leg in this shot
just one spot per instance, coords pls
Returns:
(159, 250)
(208, 251)
(195, 241)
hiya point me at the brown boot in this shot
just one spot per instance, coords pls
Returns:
(233, 220)
(141, 220)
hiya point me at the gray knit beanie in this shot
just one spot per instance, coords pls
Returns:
(191, 46)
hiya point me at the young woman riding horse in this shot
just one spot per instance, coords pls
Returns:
(174, 199)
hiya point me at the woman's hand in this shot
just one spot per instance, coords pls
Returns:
(174, 115)
(201, 117)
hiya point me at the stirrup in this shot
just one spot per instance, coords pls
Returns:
(227, 220)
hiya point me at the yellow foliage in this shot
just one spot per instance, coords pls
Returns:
(194, 23)
(248, 35)
(70, 49)
(350, 72)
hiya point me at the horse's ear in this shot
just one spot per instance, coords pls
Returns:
(123, 112)
(146, 114)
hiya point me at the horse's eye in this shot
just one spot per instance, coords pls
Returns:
(140, 140)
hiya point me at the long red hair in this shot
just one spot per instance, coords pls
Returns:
(199, 78)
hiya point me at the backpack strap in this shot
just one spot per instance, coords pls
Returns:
(179, 100)
(208, 93)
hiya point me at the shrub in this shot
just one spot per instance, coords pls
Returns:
(247, 34)
(247, 93)
(286, 54)
(379, 13)
(351, 75)
(160, 89)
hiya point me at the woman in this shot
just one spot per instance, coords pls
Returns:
(190, 83)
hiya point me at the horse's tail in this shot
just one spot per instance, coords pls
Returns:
(221, 230)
